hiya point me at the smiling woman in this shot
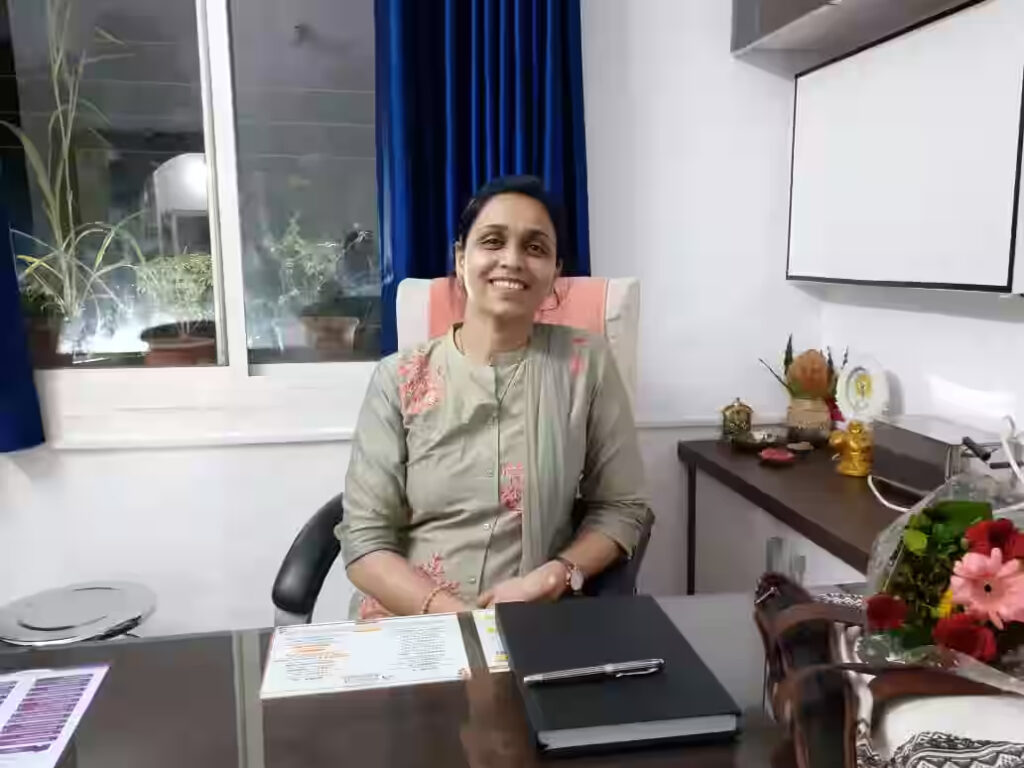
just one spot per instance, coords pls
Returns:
(470, 448)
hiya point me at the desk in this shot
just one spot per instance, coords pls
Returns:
(838, 513)
(194, 701)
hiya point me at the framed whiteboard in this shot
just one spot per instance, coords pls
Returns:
(907, 157)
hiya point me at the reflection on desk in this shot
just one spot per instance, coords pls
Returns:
(194, 701)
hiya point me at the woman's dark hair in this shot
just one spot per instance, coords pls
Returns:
(531, 186)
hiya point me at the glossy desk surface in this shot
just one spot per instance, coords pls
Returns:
(194, 701)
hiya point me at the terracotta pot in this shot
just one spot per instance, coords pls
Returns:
(330, 335)
(809, 420)
(173, 345)
(43, 339)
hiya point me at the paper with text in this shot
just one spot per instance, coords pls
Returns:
(39, 711)
(490, 640)
(350, 655)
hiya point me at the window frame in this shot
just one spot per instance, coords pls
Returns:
(232, 404)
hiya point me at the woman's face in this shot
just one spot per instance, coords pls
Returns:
(509, 261)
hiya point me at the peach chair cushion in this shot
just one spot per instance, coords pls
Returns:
(607, 306)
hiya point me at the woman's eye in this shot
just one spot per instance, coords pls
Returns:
(538, 249)
(491, 242)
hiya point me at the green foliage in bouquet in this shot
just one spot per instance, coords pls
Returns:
(933, 542)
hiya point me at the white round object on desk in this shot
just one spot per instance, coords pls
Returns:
(862, 391)
(79, 612)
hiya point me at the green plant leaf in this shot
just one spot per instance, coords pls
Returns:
(91, 106)
(920, 522)
(103, 36)
(104, 57)
(102, 252)
(915, 541)
(961, 513)
(944, 533)
(778, 378)
(37, 262)
(35, 161)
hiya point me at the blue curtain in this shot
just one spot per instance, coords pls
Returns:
(20, 422)
(468, 90)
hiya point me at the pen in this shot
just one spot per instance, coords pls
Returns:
(619, 669)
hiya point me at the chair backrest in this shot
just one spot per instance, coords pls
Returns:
(180, 185)
(609, 306)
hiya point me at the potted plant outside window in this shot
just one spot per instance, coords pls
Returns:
(66, 270)
(181, 287)
(310, 289)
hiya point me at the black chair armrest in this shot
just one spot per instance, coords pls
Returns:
(309, 558)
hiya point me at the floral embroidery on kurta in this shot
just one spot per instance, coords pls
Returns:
(419, 387)
(576, 361)
(371, 608)
(511, 494)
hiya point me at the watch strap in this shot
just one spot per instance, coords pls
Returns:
(573, 573)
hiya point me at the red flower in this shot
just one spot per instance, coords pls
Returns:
(987, 535)
(833, 410)
(886, 612)
(963, 633)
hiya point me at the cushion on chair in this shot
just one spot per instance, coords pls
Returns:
(610, 307)
(581, 304)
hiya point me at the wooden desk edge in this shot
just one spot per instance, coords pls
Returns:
(849, 553)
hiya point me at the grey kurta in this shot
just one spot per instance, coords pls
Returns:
(437, 472)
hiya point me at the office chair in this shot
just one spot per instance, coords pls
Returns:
(426, 308)
(179, 191)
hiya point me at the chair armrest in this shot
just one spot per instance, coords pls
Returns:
(309, 558)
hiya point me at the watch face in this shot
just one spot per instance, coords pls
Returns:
(576, 579)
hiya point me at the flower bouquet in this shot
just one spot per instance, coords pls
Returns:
(949, 583)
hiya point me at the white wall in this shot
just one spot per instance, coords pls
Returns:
(688, 158)
(688, 162)
(204, 528)
(956, 354)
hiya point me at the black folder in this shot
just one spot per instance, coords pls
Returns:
(682, 702)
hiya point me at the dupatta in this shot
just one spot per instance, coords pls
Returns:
(554, 458)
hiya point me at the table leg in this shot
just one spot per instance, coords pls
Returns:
(691, 529)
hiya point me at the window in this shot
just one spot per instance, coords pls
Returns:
(105, 153)
(221, 177)
(307, 178)
(105, 176)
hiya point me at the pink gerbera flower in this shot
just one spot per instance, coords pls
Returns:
(988, 587)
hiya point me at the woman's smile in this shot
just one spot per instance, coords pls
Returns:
(513, 284)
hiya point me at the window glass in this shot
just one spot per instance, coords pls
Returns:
(105, 181)
(303, 73)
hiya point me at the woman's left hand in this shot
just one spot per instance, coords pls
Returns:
(546, 582)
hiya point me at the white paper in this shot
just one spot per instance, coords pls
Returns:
(350, 655)
(490, 640)
(39, 711)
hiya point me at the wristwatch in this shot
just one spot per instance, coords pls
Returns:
(574, 577)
